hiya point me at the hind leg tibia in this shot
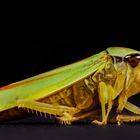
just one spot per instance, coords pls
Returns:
(64, 113)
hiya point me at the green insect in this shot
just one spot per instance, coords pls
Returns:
(87, 89)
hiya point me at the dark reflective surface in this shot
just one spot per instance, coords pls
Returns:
(41, 129)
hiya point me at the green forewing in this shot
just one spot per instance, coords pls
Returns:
(45, 84)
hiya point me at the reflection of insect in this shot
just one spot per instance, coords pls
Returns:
(83, 90)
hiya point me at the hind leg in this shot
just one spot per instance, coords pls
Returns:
(65, 113)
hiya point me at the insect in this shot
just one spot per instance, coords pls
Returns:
(87, 89)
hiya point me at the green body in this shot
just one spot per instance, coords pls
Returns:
(48, 83)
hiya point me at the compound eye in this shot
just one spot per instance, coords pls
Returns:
(132, 59)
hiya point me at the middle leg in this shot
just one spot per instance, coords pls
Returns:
(105, 97)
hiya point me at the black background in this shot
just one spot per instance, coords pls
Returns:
(26, 52)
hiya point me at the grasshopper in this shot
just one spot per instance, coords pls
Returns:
(87, 89)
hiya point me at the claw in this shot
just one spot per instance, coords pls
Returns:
(66, 118)
(99, 122)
